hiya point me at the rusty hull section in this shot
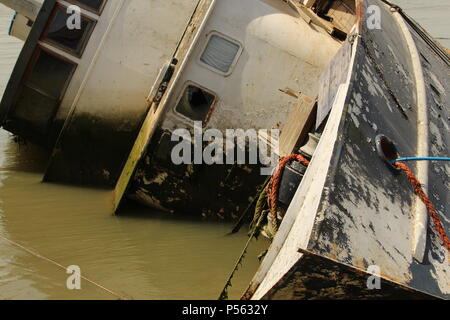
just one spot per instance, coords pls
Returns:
(318, 278)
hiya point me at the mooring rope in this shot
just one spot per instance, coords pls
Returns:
(272, 197)
(224, 293)
(237, 227)
(39, 256)
(417, 186)
(276, 179)
(398, 163)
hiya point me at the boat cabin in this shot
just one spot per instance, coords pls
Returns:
(107, 96)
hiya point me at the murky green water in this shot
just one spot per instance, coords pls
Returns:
(141, 255)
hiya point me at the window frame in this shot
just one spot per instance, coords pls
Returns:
(87, 8)
(180, 96)
(32, 63)
(24, 83)
(236, 58)
(84, 40)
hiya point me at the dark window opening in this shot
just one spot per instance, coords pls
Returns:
(42, 90)
(35, 109)
(91, 5)
(195, 103)
(59, 34)
(50, 74)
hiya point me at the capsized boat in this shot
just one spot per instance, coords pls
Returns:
(350, 85)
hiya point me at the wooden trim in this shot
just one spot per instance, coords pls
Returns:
(300, 122)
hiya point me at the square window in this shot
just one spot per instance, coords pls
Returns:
(35, 109)
(220, 53)
(92, 5)
(59, 34)
(50, 74)
(195, 103)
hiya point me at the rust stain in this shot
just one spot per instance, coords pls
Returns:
(210, 112)
(250, 291)
(359, 15)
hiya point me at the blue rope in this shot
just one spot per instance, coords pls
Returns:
(421, 159)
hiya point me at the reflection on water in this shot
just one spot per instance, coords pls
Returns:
(141, 255)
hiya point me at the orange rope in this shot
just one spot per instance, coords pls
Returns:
(422, 195)
(276, 179)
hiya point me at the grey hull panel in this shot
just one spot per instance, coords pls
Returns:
(315, 277)
(367, 209)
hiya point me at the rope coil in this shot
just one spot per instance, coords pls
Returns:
(276, 179)
(417, 186)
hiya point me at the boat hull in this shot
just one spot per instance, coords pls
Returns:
(367, 213)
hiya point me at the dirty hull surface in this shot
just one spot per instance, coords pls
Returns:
(367, 210)
(315, 278)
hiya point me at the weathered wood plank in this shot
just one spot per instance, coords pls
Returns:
(298, 125)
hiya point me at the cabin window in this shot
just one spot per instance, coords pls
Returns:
(220, 53)
(42, 89)
(50, 74)
(91, 5)
(39, 116)
(60, 35)
(195, 103)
